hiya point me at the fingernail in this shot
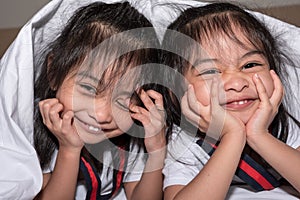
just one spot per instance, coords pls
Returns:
(256, 76)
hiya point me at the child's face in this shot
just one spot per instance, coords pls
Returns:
(96, 117)
(234, 68)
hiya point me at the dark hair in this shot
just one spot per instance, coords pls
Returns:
(79, 43)
(212, 20)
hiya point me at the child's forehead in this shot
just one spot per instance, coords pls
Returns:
(231, 32)
(222, 42)
(225, 49)
(114, 75)
(92, 69)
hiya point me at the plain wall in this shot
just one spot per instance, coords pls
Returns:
(6, 38)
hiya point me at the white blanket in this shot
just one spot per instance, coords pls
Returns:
(20, 174)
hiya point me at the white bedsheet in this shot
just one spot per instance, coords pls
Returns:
(20, 174)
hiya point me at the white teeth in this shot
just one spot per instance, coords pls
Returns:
(240, 102)
(93, 128)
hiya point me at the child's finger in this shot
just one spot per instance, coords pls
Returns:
(157, 108)
(216, 124)
(146, 100)
(134, 108)
(191, 116)
(261, 90)
(54, 114)
(193, 101)
(45, 107)
(66, 125)
(278, 92)
(137, 109)
(140, 117)
(158, 99)
(42, 109)
(214, 92)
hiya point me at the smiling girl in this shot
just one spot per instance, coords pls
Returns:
(87, 93)
(244, 147)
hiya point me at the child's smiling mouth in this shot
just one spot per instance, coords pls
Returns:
(238, 104)
(88, 127)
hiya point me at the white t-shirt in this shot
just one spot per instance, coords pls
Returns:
(186, 158)
(133, 172)
(21, 176)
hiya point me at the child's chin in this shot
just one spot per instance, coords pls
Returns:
(91, 139)
(244, 117)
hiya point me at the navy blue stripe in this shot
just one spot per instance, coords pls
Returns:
(115, 178)
(249, 180)
(106, 196)
(270, 178)
(87, 179)
(98, 195)
(209, 149)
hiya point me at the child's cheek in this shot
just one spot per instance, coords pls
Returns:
(202, 93)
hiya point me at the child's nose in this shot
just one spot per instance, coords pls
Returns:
(103, 110)
(235, 81)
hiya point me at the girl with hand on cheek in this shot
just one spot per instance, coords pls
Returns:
(244, 147)
(82, 101)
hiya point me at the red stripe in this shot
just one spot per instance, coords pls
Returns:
(255, 175)
(120, 171)
(93, 179)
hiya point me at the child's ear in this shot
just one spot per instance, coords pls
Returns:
(50, 78)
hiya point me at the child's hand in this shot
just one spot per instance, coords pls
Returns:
(60, 126)
(211, 119)
(268, 107)
(153, 119)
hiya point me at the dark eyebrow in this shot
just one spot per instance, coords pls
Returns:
(84, 75)
(250, 53)
(201, 61)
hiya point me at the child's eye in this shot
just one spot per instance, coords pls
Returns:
(251, 65)
(123, 103)
(209, 72)
(88, 88)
